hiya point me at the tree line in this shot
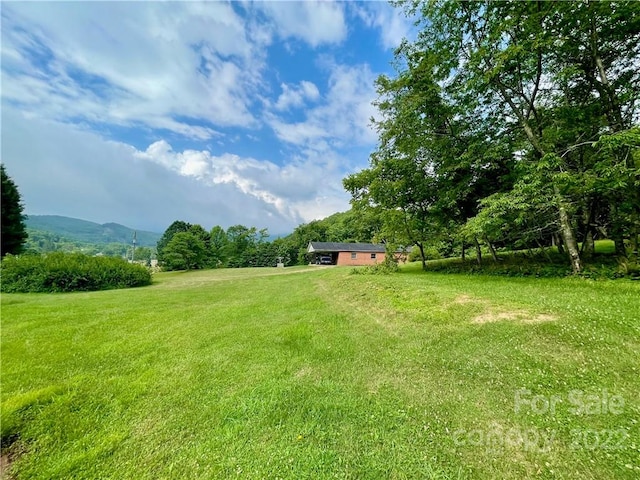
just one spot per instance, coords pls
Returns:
(186, 246)
(510, 123)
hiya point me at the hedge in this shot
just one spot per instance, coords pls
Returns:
(68, 272)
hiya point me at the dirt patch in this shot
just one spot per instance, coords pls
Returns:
(522, 316)
(465, 300)
(5, 465)
(303, 372)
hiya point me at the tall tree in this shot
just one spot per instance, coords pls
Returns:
(218, 246)
(12, 230)
(185, 251)
(176, 227)
(435, 160)
(551, 78)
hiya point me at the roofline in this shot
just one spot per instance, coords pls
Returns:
(322, 247)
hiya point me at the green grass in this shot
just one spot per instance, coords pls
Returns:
(317, 373)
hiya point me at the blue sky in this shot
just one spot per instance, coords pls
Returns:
(215, 113)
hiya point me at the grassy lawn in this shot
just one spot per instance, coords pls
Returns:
(317, 373)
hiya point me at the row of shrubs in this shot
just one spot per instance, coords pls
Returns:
(69, 272)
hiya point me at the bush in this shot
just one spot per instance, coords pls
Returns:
(389, 265)
(68, 272)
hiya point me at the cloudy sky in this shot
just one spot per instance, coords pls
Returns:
(215, 113)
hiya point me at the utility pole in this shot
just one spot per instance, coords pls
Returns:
(133, 251)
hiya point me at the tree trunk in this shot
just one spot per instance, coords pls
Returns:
(478, 251)
(424, 260)
(633, 241)
(557, 242)
(617, 235)
(491, 249)
(464, 258)
(588, 246)
(618, 241)
(544, 250)
(566, 230)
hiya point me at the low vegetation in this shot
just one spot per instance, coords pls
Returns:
(308, 372)
(68, 272)
(537, 262)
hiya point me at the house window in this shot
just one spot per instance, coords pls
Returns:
(353, 255)
(373, 256)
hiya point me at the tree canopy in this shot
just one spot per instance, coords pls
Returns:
(511, 122)
(12, 230)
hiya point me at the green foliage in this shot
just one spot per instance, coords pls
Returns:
(185, 251)
(538, 264)
(69, 272)
(384, 268)
(12, 229)
(144, 255)
(175, 227)
(45, 242)
(431, 252)
(510, 122)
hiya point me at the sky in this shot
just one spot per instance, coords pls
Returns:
(215, 113)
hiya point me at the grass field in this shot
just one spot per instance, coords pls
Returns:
(318, 373)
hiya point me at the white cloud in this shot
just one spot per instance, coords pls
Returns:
(155, 64)
(296, 96)
(183, 71)
(81, 175)
(315, 22)
(393, 24)
(343, 115)
(294, 190)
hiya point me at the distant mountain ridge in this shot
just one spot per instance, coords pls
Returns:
(90, 232)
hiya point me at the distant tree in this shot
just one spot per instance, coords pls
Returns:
(185, 251)
(199, 232)
(241, 245)
(218, 244)
(13, 230)
(175, 227)
(143, 254)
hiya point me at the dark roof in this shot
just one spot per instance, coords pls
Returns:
(344, 247)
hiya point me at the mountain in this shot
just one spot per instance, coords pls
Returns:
(90, 232)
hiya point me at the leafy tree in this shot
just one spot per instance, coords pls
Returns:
(202, 234)
(185, 251)
(143, 254)
(494, 97)
(175, 227)
(218, 246)
(12, 230)
(286, 249)
(243, 244)
(434, 161)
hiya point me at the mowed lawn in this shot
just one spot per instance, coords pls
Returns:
(319, 373)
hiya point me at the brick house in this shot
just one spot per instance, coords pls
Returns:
(354, 254)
